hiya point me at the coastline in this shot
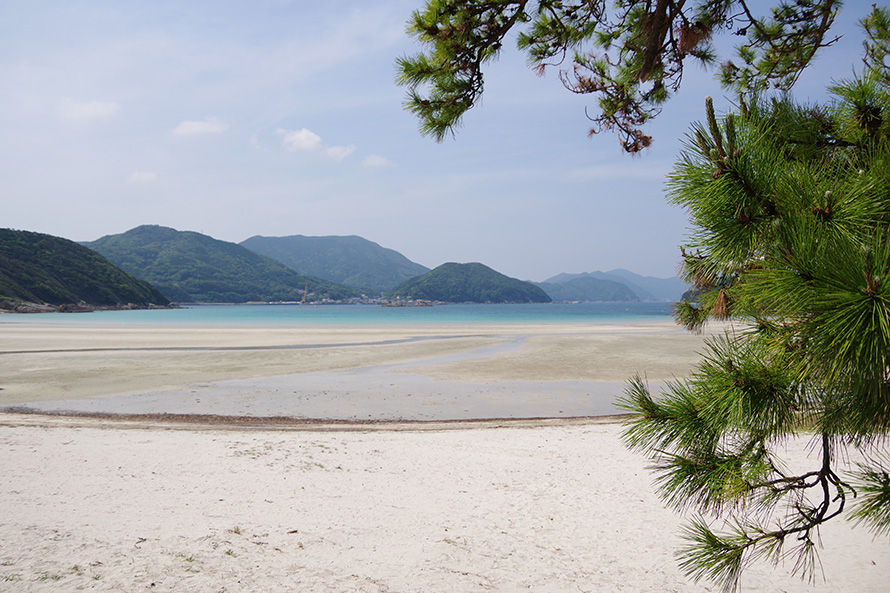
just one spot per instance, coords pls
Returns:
(11, 307)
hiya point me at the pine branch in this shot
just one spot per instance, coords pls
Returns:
(721, 558)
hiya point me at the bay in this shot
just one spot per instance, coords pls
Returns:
(365, 315)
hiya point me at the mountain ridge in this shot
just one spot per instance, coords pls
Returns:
(349, 260)
(192, 267)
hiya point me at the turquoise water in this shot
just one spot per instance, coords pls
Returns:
(350, 315)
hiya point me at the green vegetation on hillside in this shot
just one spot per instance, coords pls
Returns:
(351, 261)
(191, 267)
(469, 283)
(38, 268)
(589, 289)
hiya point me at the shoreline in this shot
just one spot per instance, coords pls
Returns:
(12, 417)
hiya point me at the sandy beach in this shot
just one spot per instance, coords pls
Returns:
(343, 373)
(144, 502)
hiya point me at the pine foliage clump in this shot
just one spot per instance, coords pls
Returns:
(629, 54)
(790, 211)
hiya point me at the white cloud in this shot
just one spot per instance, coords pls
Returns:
(304, 140)
(86, 110)
(210, 125)
(142, 177)
(338, 153)
(375, 161)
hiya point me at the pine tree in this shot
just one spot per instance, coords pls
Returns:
(631, 54)
(790, 208)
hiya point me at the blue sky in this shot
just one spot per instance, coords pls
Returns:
(277, 117)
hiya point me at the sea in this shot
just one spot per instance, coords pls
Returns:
(365, 315)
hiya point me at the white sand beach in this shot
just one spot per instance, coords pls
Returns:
(145, 503)
(554, 507)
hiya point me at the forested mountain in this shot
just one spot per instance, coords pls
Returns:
(44, 269)
(351, 261)
(469, 283)
(191, 267)
(646, 288)
(589, 289)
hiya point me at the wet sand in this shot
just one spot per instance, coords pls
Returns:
(415, 373)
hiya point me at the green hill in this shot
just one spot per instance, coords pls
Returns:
(469, 283)
(351, 261)
(191, 267)
(589, 289)
(44, 269)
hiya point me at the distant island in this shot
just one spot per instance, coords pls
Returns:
(606, 286)
(41, 273)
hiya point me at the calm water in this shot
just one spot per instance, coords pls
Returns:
(296, 315)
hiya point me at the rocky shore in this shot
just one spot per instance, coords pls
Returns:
(10, 306)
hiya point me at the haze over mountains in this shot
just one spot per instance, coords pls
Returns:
(351, 261)
(644, 288)
(191, 267)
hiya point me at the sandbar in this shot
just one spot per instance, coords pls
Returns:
(345, 373)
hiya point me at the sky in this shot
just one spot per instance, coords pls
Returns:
(282, 117)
